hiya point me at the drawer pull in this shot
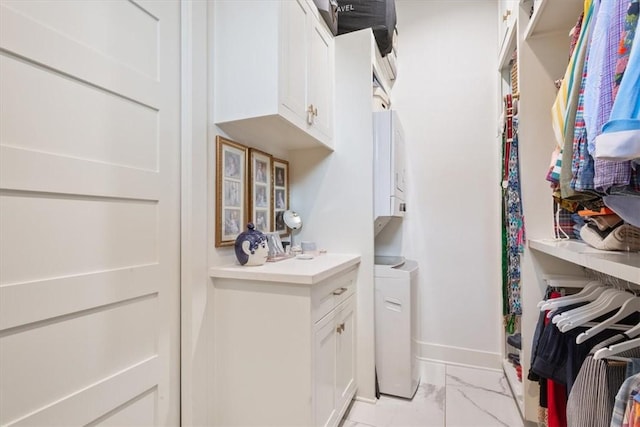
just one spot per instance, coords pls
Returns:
(340, 291)
(340, 328)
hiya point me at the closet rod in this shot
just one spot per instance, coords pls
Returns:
(615, 282)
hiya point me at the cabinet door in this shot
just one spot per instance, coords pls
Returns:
(324, 367)
(345, 353)
(295, 22)
(508, 11)
(321, 75)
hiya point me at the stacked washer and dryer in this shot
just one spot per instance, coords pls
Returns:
(396, 278)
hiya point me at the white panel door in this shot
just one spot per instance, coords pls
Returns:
(89, 212)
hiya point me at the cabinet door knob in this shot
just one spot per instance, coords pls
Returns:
(339, 291)
(506, 15)
(311, 111)
(340, 328)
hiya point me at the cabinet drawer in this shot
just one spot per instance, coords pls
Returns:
(325, 296)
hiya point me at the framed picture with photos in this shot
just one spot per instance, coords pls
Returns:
(260, 199)
(280, 193)
(231, 193)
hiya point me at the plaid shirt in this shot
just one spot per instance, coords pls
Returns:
(582, 162)
(610, 173)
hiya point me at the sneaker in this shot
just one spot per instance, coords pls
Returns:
(624, 237)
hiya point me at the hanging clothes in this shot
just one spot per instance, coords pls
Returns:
(621, 134)
(559, 357)
(619, 140)
(630, 25)
(609, 173)
(594, 97)
(513, 218)
(592, 399)
(582, 166)
(602, 52)
(564, 109)
(622, 399)
(515, 228)
(557, 360)
(543, 403)
(556, 394)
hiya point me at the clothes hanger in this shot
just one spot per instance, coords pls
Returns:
(548, 304)
(595, 297)
(616, 339)
(629, 307)
(611, 351)
(634, 332)
(608, 300)
(613, 302)
(587, 288)
(589, 293)
(603, 295)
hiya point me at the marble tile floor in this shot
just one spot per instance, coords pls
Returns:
(448, 396)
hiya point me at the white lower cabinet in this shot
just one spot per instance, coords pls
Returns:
(334, 367)
(284, 352)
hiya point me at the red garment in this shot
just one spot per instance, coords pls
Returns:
(556, 394)
(557, 404)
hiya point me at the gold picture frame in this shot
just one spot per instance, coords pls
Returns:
(260, 196)
(231, 190)
(280, 194)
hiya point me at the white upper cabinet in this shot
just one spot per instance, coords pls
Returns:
(508, 14)
(273, 73)
(294, 46)
(321, 74)
(508, 25)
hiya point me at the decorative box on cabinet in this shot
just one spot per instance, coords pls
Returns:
(273, 73)
(285, 342)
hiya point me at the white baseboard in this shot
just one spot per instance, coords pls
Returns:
(365, 399)
(458, 356)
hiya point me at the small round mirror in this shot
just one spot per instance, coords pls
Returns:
(292, 220)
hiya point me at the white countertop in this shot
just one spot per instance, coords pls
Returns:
(304, 272)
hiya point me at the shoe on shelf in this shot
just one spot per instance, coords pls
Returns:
(514, 358)
(622, 237)
(515, 340)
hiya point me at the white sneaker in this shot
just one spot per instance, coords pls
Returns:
(624, 237)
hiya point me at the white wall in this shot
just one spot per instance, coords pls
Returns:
(196, 322)
(445, 95)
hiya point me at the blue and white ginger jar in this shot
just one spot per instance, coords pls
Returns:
(251, 247)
